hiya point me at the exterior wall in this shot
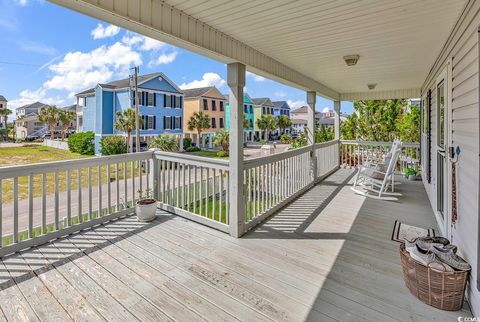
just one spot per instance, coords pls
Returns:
(247, 106)
(195, 104)
(190, 106)
(462, 49)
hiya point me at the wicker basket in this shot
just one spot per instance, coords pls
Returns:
(443, 290)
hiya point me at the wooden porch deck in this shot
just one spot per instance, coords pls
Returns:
(327, 256)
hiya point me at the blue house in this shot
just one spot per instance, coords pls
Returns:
(281, 108)
(160, 107)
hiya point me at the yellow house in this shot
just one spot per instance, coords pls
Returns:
(210, 101)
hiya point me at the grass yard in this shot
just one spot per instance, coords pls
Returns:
(31, 154)
(208, 154)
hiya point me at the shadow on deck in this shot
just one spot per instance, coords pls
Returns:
(327, 256)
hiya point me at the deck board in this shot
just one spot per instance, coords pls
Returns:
(325, 257)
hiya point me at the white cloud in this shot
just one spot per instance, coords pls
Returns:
(208, 79)
(163, 59)
(36, 47)
(280, 94)
(296, 104)
(151, 44)
(104, 32)
(22, 3)
(143, 42)
(325, 110)
(28, 96)
(256, 77)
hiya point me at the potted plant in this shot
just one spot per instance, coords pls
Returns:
(146, 206)
(410, 173)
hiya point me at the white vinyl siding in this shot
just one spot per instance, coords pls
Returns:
(463, 49)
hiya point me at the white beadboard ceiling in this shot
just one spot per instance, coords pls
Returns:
(397, 41)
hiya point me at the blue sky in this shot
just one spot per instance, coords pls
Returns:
(50, 53)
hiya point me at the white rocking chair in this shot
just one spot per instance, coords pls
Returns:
(375, 181)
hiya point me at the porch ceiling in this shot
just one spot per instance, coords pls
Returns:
(301, 42)
(397, 40)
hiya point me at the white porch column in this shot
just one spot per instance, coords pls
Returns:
(311, 100)
(236, 82)
(337, 107)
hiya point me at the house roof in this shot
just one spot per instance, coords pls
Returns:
(36, 106)
(196, 92)
(303, 110)
(124, 83)
(70, 107)
(2, 98)
(299, 121)
(281, 104)
(261, 101)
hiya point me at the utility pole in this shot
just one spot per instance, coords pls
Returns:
(137, 114)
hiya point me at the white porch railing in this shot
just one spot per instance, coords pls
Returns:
(44, 201)
(356, 153)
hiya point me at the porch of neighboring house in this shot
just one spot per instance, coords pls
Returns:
(326, 256)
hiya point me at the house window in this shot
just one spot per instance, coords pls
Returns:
(441, 115)
(167, 125)
(214, 124)
(221, 106)
(251, 109)
(205, 105)
(178, 101)
(151, 99)
(168, 100)
(178, 123)
(245, 108)
(251, 123)
(220, 121)
(150, 122)
(263, 109)
(214, 105)
(1, 105)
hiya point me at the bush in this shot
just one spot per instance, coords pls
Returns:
(222, 154)
(285, 139)
(187, 142)
(193, 149)
(115, 144)
(165, 142)
(82, 143)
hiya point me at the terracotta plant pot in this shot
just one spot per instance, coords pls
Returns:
(146, 209)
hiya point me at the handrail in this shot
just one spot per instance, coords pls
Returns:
(379, 143)
(192, 159)
(55, 166)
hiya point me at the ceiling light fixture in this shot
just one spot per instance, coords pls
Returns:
(351, 60)
(372, 86)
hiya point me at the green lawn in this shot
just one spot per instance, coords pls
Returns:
(207, 153)
(31, 154)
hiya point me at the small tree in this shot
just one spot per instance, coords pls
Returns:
(165, 142)
(284, 122)
(246, 121)
(199, 121)
(110, 145)
(4, 113)
(267, 123)
(65, 117)
(222, 139)
(49, 115)
(126, 122)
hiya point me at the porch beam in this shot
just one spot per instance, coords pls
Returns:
(236, 82)
(161, 21)
(381, 95)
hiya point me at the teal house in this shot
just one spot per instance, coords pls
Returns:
(248, 112)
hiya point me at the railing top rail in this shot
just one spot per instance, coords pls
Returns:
(252, 163)
(44, 167)
(325, 144)
(192, 159)
(379, 143)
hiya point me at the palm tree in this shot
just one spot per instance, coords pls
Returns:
(222, 138)
(267, 123)
(49, 116)
(199, 121)
(126, 123)
(4, 113)
(246, 121)
(66, 117)
(284, 122)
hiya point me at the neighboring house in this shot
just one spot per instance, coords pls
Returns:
(3, 105)
(27, 125)
(160, 106)
(248, 110)
(262, 106)
(299, 119)
(209, 101)
(281, 108)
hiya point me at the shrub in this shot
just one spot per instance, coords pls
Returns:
(165, 142)
(187, 142)
(285, 139)
(193, 149)
(113, 145)
(82, 143)
(222, 154)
